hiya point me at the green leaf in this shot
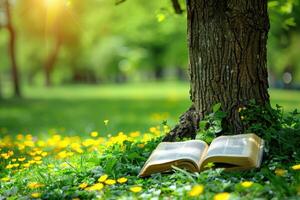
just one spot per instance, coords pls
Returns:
(273, 4)
(202, 124)
(216, 107)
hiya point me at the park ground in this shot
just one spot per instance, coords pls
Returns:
(89, 142)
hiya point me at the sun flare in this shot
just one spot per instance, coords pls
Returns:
(52, 3)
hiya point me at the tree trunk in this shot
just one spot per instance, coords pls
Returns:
(12, 51)
(50, 63)
(227, 60)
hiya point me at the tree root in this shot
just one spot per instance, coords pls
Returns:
(187, 127)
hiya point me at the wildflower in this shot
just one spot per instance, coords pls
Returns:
(83, 185)
(88, 142)
(5, 179)
(28, 137)
(103, 178)
(106, 122)
(21, 159)
(34, 185)
(20, 137)
(36, 195)
(10, 153)
(29, 143)
(62, 154)
(196, 190)
(44, 154)
(110, 182)
(14, 160)
(94, 134)
(280, 172)
(97, 186)
(26, 165)
(136, 189)
(39, 162)
(122, 180)
(296, 167)
(5, 156)
(37, 158)
(9, 166)
(135, 134)
(152, 129)
(39, 152)
(246, 184)
(16, 165)
(222, 196)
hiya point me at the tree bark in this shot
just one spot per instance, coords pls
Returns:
(50, 63)
(12, 51)
(227, 59)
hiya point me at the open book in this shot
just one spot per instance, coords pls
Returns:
(230, 152)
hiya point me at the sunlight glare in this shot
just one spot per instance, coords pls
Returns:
(52, 3)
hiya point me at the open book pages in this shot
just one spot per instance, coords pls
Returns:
(187, 154)
(235, 152)
(230, 152)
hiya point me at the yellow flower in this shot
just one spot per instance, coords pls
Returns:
(136, 189)
(97, 186)
(39, 152)
(44, 154)
(83, 185)
(14, 160)
(10, 153)
(246, 184)
(296, 167)
(34, 185)
(222, 196)
(122, 180)
(37, 158)
(26, 165)
(94, 134)
(62, 154)
(39, 162)
(21, 159)
(36, 195)
(110, 182)
(196, 190)
(135, 134)
(20, 137)
(5, 179)
(9, 166)
(280, 172)
(106, 122)
(103, 178)
(16, 165)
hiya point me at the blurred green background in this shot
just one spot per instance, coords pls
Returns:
(82, 62)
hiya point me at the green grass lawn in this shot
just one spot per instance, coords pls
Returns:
(77, 110)
(60, 165)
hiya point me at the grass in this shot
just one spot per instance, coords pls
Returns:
(78, 110)
(57, 144)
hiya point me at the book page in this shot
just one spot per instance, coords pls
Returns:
(237, 145)
(174, 151)
(235, 152)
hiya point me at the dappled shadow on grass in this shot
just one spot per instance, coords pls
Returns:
(81, 116)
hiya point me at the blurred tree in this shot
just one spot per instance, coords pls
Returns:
(8, 24)
(55, 22)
